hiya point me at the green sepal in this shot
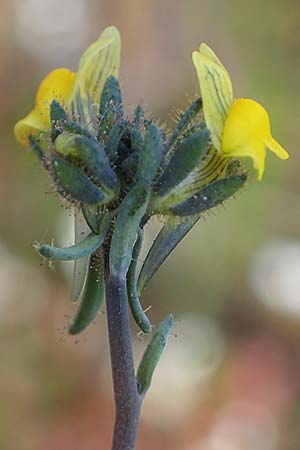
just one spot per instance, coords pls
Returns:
(57, 117)
(233, 168)
(136, 139)
(124, 149)
(185, 120)
(136, 136)
(153, 354)
(106, 124)
(111, 97)
(113, 139)
(211, 195)
(130, 214)
(91, 154)
(150, 155)
(92, 297)
(129, 167)
(57, 112)
(136, 308)
(86, 247)
(36, 148)
(72, 183)
(167, 239)
(138, 117)
(185, 158)
(75, 128)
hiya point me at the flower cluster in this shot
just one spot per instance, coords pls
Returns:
(119, 171)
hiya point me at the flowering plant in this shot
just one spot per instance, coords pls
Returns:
(117, 172)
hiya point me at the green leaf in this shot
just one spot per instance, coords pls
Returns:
(137, 311)
(130, 214)
(211, 195)
(167, 239)
(81, 230)
(85, 247)
(153, 354)
(93, 295)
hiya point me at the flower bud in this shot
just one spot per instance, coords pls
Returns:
(91, 156)
(72, 183)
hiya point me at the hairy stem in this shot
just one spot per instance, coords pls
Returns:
(126, 395)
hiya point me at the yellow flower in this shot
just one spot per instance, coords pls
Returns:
(239, 128)
(79, 92)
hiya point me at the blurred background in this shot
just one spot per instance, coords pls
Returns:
(230, 377)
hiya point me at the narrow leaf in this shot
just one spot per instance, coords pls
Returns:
(211, 195)
(93, 295)
(167, 239)
(130, 214)
(153, 354)
(81, 230)
(84, 248)
(137, 311)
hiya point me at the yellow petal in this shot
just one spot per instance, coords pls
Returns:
(56, 85)
(247, 133)
(99, 61)
(31, 124)
(207, 51)
(275, 147)
(216, 91)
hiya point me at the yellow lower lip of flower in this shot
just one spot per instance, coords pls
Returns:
(75, 92)
(247, 133)
(58, 85)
